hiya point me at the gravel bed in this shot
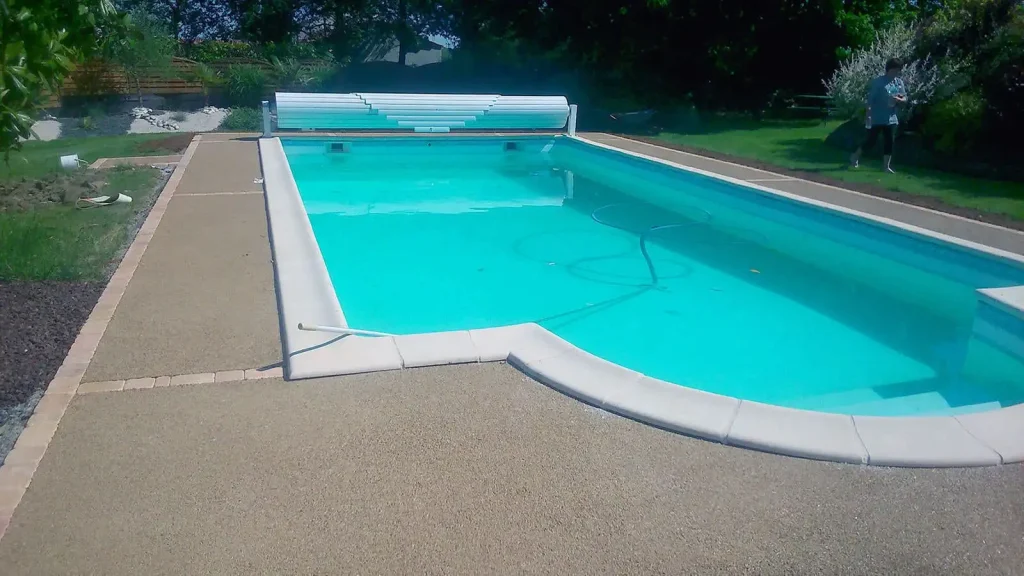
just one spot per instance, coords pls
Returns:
(113, 125)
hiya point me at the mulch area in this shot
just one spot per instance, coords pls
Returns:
(873, 190)
(38, 323)
(178, 142)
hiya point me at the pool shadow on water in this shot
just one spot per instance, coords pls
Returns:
(575, 315)
(899, 325)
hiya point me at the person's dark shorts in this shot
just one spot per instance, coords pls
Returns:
(888, 132)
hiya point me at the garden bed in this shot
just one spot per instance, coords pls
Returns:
(55, 260)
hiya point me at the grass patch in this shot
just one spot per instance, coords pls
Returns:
(39, 159)
(60, 242)
(800, 145)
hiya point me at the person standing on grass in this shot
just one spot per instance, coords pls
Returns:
(884, 94)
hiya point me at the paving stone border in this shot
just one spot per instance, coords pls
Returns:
(180, 380)
(168, 160)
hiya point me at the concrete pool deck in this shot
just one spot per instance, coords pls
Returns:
(470, 470)
(464, 469)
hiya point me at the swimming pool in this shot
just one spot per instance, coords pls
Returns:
(745, 296)
(688, 300)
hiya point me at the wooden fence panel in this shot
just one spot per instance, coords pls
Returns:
(100, 78)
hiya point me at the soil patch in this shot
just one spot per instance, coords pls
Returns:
(39, 322)
(923, 201)
(29, 193)
(175, 143)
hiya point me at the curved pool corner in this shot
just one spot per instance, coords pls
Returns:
(978, 439)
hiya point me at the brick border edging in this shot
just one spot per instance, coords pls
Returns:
(165, 160)
(23, 460)
(180, 380)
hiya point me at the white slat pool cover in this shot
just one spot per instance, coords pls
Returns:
(420, 112)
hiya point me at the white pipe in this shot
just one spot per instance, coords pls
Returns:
(339, 330)
(572, 120)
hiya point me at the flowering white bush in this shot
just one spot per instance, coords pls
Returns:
(922, 77)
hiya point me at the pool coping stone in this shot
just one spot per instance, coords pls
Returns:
(802, 433)
(429, 349)
(1000, 430)
(922, 441)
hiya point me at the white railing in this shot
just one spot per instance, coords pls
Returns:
(420, 112)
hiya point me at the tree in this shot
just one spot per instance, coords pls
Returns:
(40, 40)
(727, 53)
(266, 21)
(723, 53)
(409, 21)
(357, 28)
(987, 35)
(145, 48)
(189, 20)
(922, 76)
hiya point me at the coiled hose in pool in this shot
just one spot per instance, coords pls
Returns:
(643, 235)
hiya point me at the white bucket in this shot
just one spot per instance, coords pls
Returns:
(71, 162)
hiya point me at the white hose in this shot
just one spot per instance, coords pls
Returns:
(339, 330)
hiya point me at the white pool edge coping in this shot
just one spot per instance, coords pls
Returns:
(304, 289)
(306, 294)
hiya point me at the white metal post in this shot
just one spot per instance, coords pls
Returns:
(266, 119)
(572, 120)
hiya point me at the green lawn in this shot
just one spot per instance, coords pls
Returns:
(60, 242)
(800, 145)
(38, 159)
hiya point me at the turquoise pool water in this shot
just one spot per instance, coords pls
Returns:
(756, 297)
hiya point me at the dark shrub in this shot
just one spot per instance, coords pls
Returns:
(243, 120)
(246, 85)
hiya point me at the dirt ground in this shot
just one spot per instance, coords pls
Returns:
(29, 193)
(38, 323)
(176, 142)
